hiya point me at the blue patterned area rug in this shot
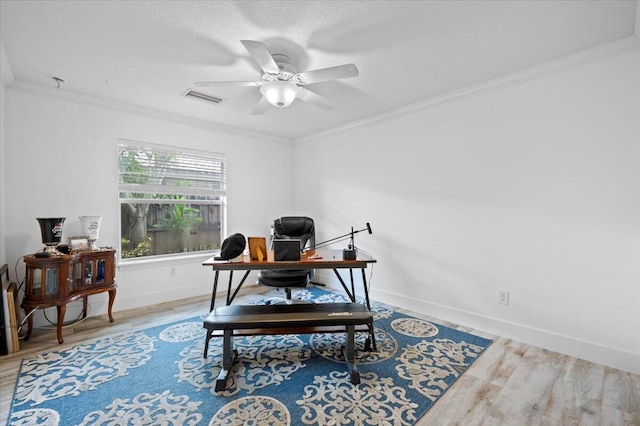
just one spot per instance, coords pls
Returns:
(158, 376)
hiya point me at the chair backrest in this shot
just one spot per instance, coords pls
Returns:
(295, 227)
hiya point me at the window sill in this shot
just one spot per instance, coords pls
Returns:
(142, 263)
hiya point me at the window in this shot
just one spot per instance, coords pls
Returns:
(172, 201)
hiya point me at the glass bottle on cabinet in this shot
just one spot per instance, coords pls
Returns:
(100, 275)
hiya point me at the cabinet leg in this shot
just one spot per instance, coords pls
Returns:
(62, 309)
(84, 307)
(29, 325)
(112, 298)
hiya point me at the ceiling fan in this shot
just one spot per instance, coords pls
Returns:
(280, 84)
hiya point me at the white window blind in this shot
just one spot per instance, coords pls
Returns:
(147, 170)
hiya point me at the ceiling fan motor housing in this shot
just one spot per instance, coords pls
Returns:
(284, 65)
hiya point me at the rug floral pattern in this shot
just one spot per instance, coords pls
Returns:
(158, 376)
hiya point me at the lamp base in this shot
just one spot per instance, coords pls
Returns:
(51, 248)
(49, 251)
(349, 254)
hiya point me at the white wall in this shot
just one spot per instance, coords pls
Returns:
(61, 156)
(6, 77)
(533, 189)
(637, 26)
(3, 251)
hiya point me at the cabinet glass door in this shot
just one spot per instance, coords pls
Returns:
(35, 278)
(52, 281)
(88, 272)
(76, 276)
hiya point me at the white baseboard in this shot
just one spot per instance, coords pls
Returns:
(168, 295)
(98, 303)
(548, 340)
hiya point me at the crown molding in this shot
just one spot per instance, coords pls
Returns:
(83, 99)
(576, 60)
(6, 72)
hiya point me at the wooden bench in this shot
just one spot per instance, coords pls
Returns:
(243, 320)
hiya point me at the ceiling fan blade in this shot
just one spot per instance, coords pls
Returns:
(228, 83)
(261, 107)
(315, 99)
(326, 74)
(261, 55)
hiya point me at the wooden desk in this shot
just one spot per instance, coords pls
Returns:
(331, 259)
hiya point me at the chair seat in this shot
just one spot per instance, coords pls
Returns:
(285, 278)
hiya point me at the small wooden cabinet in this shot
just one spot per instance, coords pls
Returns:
(63, 278)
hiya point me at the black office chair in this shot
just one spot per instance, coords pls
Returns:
(290, 227)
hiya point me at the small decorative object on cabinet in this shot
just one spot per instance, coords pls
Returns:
(78, 244)
(63, 278)
(51, 230)
(91, 228)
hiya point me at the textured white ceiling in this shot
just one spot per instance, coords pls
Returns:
(147, 53)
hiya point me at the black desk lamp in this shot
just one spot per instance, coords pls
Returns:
(350, 253)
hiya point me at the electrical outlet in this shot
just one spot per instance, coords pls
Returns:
(503, 297)
(172, 271)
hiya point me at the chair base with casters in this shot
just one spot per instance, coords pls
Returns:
(284, 280)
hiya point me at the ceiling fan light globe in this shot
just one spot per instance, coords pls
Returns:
(279, 93)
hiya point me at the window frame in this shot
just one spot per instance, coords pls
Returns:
(205, 189)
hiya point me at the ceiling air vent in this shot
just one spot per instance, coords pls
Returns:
(202, 96)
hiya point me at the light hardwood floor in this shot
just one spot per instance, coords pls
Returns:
(512, 383)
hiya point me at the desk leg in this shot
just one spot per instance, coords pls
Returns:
(229, 288)
(351, 295)
(370, 344)
(366, 298)
(244, 278)
(353, 288)
(366, 289)
(215, 290)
